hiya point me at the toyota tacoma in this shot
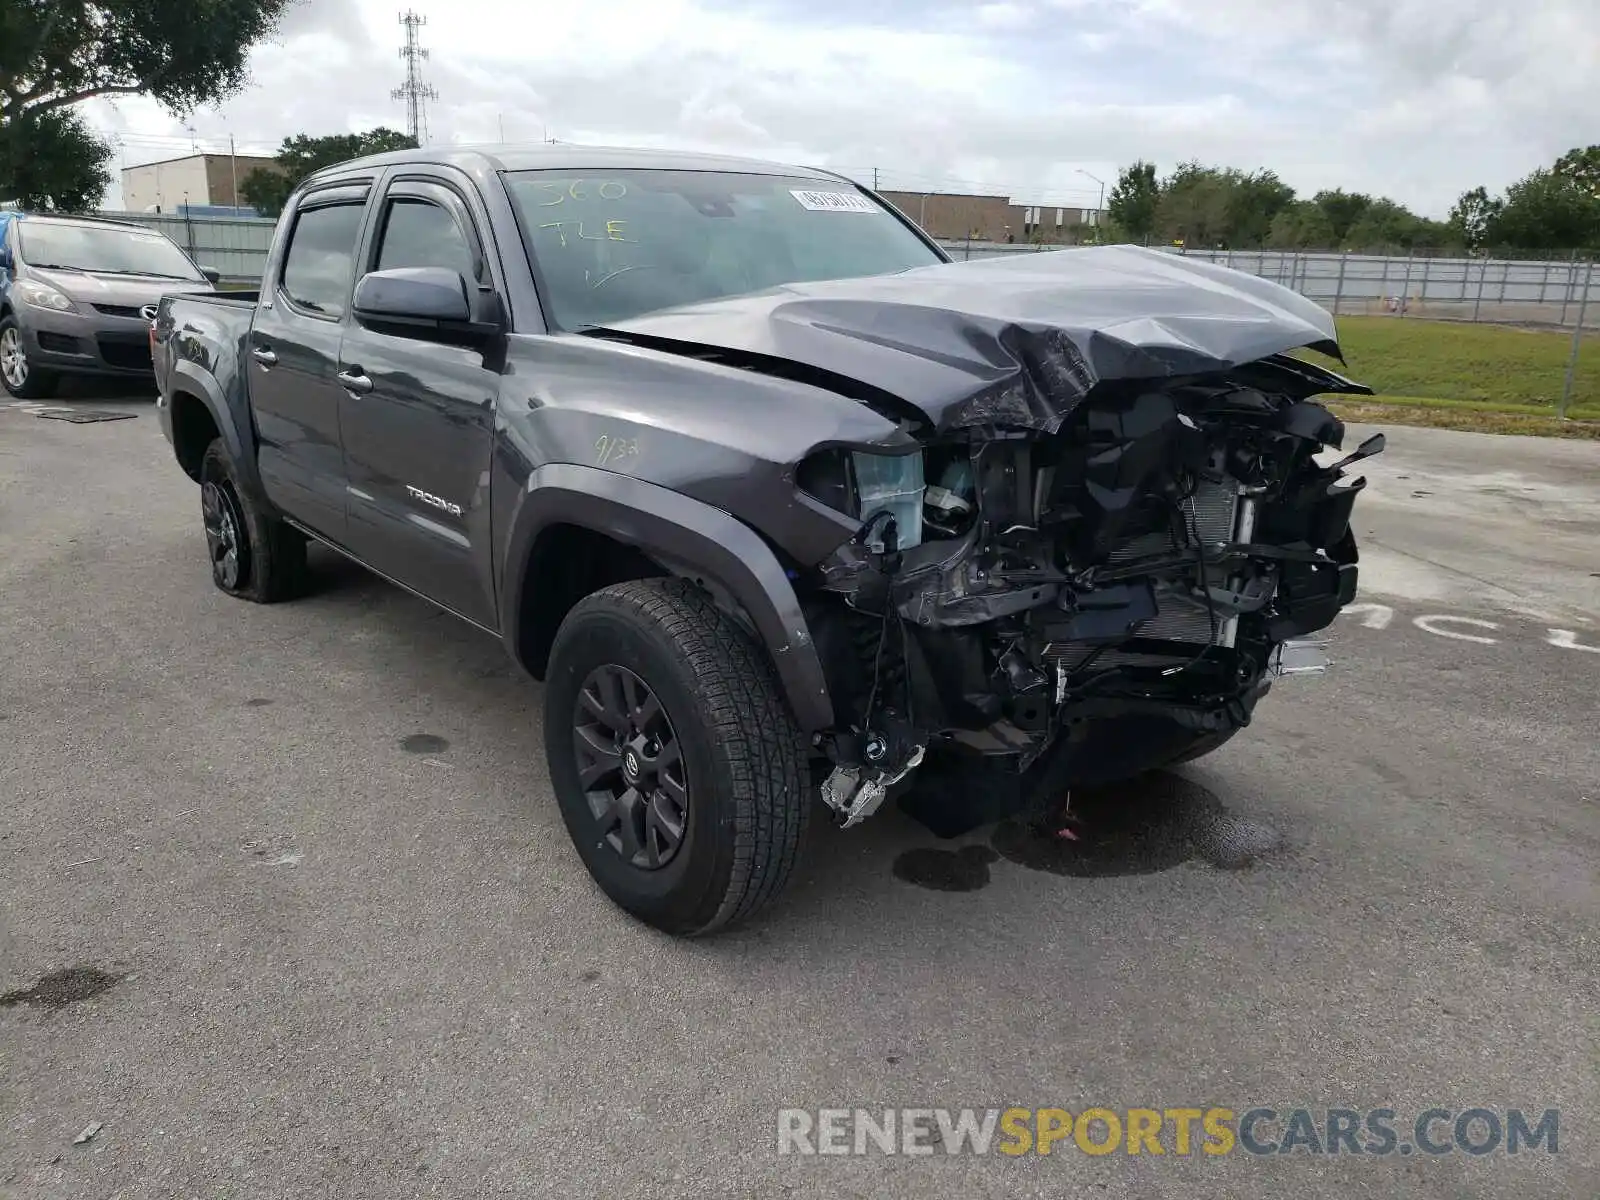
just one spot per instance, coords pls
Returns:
(782, 505)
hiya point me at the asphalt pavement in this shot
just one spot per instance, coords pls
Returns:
(287, 909)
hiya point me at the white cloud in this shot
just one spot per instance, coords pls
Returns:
(1417, 99)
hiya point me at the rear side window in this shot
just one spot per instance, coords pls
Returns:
(320, 265)
(418, 233)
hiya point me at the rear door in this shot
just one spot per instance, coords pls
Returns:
(418, 415)
(292, 356)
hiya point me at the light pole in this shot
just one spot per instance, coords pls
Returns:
(1100, 204)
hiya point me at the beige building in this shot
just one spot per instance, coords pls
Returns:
(954, 216)
(195, 179)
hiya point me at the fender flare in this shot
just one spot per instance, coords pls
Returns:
(199, 383)
(693, 538)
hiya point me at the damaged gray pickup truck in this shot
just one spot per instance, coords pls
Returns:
(782, 505)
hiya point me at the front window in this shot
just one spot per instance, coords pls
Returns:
(104, 250)
(612, 245)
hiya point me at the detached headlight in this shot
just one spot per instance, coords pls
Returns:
(865, 485)
(44, 296)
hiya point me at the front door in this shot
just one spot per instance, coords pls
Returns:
(292, 355)
(417, 418)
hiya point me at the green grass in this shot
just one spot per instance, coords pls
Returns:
(1455, 375)
(1442, 415)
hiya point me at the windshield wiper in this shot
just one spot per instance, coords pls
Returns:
(150, 275)
(58, 267)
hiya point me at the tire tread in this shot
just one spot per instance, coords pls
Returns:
(749, 723)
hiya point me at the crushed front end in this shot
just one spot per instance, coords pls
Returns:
(1084, 600)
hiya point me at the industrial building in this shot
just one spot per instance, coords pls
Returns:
(194, 180)
(954, 216)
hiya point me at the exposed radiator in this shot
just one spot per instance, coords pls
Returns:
(1213, 513)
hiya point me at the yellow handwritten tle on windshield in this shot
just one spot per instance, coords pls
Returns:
(615, 231)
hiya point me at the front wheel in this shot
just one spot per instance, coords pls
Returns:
(679, 772)
(21, 378)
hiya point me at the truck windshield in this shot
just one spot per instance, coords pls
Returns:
(104, 250)
(611, 245)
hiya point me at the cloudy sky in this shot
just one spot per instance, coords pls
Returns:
(1415, 99)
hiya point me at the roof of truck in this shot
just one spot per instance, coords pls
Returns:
(562, 156)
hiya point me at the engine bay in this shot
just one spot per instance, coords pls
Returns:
(1157, 555)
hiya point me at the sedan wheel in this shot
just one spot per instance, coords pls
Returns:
(19, 376)
(13, 359)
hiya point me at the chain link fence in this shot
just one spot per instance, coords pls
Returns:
(1557, 293)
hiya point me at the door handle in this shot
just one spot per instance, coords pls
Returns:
(264, 356)
(355, 380)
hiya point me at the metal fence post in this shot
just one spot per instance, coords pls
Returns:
(1483, 274)
(1577, 340)
(1405, 287)
(1566, 292)
(1338, 287)
(1426, 263)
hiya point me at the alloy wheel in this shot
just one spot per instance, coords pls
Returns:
(630, 764)
(224, 534)
(13, 359)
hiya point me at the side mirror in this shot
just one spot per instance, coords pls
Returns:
(424, 302)
(212, 274)
(413, 295)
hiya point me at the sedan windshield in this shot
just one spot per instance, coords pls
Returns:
(104, 250)
(612, 245)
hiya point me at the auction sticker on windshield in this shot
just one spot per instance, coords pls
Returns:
(832, 201)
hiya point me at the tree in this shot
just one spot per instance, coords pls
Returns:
(1193, 206)
(1583, 167)
(301, 156)
(1304, 225)
(1549, 211)
(51, 160)
(1342, 209)
(1386, 225)
(55, 54)
(1212, 206)
(1132, 203)
(1254, 200)
(1474, 219)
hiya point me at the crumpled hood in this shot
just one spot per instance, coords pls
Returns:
(1015, 340)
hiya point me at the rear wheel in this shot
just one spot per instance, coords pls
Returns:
(21, 378)
(679, 772)
(253, 556)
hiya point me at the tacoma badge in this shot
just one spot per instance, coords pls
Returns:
(429, 498)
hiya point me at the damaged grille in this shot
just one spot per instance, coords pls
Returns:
(1212, 512)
